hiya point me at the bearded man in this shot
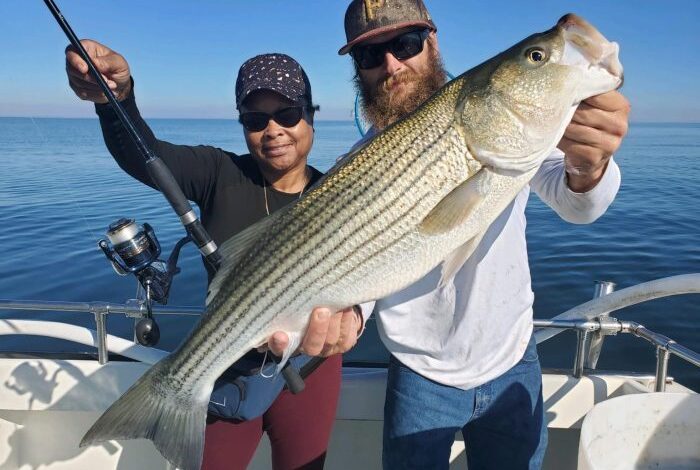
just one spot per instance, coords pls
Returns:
(463, 356)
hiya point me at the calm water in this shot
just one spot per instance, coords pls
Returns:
(59, 189)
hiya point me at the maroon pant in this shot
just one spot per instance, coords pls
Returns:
(298, 426)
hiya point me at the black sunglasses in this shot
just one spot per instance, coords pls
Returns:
(402, 47)
(256, 121)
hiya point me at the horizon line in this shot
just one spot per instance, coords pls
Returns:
(95, 118)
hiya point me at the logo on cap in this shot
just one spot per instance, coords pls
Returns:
(371, 5)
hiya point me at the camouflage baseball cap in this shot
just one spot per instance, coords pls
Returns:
(365, 19)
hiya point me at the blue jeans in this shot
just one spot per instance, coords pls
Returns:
(502, 420)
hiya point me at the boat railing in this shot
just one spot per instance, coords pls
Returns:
(590, 331)
(133, 308)
(607, 325)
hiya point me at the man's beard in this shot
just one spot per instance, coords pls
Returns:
(382, 108)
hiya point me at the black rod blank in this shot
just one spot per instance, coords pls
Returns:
(159, 172)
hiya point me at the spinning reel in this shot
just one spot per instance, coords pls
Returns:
(134, 249)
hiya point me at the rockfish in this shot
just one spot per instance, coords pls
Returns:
(419, 194)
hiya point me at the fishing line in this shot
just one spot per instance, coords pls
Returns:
(75, 197)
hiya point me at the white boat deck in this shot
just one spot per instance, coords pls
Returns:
(47, 405)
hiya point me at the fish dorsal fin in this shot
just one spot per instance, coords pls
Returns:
(457, 258)
(233, 250)
(457, 206)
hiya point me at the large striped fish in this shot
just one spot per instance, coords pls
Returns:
(419, 194)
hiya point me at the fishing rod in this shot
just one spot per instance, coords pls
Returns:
(157, 169)
(125, 234)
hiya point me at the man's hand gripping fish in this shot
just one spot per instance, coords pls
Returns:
(419, 194)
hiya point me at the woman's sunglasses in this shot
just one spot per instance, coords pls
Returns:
(402, 47)
(256, 121)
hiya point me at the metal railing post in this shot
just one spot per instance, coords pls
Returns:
(101, 327)
(603, 288)
(662, 356)
(595, 343)
(581, 346)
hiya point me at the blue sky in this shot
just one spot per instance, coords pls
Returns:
(184, 55)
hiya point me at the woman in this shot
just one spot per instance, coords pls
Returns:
(273, 96)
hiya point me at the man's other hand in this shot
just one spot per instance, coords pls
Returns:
(594, 134)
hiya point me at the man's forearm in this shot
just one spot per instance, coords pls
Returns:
(552, 185)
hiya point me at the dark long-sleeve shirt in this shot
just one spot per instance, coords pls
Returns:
(228, 188)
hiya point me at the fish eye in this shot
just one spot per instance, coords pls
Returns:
(536, 54)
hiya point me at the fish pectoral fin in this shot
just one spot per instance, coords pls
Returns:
(457, 258)
(457, 206)
(234, 249)
(294, 342)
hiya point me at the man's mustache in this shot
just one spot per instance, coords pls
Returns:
(385, 84)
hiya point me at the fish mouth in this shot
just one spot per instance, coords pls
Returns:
(595, 51)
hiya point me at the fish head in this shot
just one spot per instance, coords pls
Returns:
(516, 106)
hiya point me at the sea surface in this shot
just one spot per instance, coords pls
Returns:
(60, 189)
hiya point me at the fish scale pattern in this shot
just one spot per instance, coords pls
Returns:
(333, 246)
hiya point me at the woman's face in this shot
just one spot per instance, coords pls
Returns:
(277, 148)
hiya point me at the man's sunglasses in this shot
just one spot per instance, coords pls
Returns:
(256, 121)
(402, 47)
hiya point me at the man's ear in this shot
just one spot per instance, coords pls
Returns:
(432, 37)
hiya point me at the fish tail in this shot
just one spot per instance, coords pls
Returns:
(175, 425)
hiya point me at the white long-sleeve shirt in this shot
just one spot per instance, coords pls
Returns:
(478, 325)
